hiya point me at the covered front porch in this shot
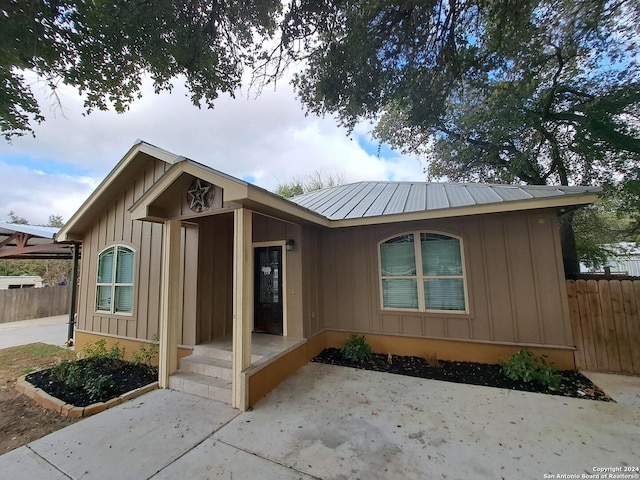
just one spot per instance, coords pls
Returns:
(230, 274)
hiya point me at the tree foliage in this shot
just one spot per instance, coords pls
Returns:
(535, 92)
(516, 91)
(17, 219)
(598, 229)
(526, 91)
(309, 183)
(104, 48)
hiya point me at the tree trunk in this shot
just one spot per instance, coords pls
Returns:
(568, 242)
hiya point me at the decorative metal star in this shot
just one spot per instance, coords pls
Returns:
(200, 195)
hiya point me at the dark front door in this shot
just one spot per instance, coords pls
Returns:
(267, 316)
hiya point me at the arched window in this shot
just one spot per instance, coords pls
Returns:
(422, 271)
(114, 286)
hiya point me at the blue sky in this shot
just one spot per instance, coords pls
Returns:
(45, 165)
(265, 140)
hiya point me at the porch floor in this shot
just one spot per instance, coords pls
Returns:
(264, 347)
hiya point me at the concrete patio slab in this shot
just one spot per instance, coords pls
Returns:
(624, 389)
(335, 422)
(331, 422)
(214, 459)
(135, 439)
(24, 463)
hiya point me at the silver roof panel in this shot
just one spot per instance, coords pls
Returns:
(372, 199)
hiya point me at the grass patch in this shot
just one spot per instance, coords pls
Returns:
(26, 371)
(17, 361)
(40, 350)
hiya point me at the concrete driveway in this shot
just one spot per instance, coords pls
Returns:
(333, 422)
(51, 330)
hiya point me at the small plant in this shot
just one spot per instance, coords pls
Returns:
(68, 372)
(526, 367)
(432, 360)
(356, 349)
(98, 350)
(146, 353)
(99, 385)
(92, 350)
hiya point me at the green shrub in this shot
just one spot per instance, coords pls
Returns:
(146, 353)
(99, 350)
(526, 367)
(68, 372)
(98, 385)
(356, 349)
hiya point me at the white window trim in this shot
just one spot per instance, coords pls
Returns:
(419, 277)
(113, 284)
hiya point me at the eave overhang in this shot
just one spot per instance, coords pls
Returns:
(485, 209)
(157, 204)
(120, 174)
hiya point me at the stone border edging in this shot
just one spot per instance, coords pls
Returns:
(45, 400)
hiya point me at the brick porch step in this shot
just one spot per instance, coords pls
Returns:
(201, 385)
(211, 366)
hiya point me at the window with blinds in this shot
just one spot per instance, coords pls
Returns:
(114, 286)
(422, 271)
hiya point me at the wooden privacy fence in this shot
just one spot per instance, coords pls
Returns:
(25, 303)
(606, 325)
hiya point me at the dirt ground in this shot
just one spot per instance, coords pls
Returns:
(21, 419)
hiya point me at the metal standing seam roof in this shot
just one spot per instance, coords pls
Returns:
(373, 199)
(30, 241)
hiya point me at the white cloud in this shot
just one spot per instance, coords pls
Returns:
(267, 138)
(36, 195)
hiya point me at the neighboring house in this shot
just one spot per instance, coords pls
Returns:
(625, 259)
(177, 249)
(20, 281)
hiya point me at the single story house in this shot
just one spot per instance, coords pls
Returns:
(624, 260)
(242, 287)
(8, 282)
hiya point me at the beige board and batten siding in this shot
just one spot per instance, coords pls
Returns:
(266, 230)
(310, 252)
(215, 277)
(115, 226)
(513, 267)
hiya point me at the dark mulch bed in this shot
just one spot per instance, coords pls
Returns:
(124, 377)
(574, 384)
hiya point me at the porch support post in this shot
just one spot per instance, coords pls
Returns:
(170, 310)
(74, 293)
(242, 304)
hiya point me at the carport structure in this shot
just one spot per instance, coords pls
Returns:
(33, 242)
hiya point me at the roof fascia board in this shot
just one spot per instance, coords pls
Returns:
(470, 210)
(48, 248)
(269, 199)
(234, 189)
(143, 209)
(140, 147)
